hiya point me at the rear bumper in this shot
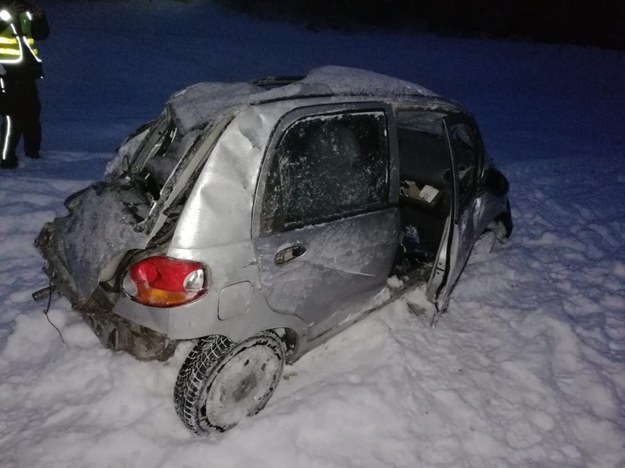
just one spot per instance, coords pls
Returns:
(115, 332)
(119, 334)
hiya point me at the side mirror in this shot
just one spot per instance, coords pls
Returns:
(495, 183)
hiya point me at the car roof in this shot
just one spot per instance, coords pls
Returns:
(201, 103)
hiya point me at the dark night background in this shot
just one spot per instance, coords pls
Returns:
(582, 22)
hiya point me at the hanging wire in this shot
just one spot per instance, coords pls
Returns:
(47, 309)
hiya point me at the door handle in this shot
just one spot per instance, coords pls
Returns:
(288, 254)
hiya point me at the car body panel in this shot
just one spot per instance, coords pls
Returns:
(348, 260)
(347, 253)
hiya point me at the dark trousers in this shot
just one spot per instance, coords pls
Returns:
(20, 109)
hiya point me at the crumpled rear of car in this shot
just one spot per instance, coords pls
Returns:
(85, 250)
(98, 228)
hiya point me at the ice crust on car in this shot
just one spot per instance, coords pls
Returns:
(202, 102)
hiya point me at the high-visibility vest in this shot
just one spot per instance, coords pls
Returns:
(16, 38)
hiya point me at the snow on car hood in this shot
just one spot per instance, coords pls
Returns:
(203, 102)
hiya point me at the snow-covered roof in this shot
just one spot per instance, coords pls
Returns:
(201, 102)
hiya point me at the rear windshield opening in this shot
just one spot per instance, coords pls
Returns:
(159, 154)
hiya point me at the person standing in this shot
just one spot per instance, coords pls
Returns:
(21, 23)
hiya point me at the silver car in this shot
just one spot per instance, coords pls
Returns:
(259, 219)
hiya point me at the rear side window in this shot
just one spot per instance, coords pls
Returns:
(325, 167)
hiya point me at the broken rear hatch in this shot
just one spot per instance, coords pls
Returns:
(98, 229)
(112, 217)
(137, 204)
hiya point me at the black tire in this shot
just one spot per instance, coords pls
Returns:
(212, 348)
(221, 383)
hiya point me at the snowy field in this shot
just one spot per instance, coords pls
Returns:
(527, 368)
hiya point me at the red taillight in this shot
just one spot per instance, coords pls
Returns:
(165, 281)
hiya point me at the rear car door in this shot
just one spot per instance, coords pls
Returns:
(466, 161)
(325, 230)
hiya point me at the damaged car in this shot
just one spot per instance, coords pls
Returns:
(259, 219)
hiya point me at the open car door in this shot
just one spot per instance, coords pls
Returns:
(465, 161)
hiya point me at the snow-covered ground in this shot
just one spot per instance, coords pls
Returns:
(527, 368)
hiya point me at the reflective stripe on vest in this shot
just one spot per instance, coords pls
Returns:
(12, 43)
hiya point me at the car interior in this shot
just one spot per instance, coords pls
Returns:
(425, 189)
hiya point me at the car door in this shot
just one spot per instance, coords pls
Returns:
(325, 230)
(465, 163)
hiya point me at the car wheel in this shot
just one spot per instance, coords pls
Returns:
(220, 383)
